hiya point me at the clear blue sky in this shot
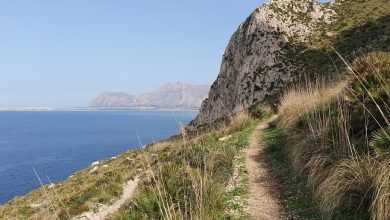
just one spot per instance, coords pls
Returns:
(63, 53)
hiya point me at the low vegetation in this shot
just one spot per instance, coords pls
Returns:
(330, 147)
(100, 184)
(337, 139)
(298, 201)
(199, 178)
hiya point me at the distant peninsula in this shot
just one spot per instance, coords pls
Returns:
(171, 96)
(26, 108)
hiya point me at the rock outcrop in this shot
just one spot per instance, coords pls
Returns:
(172, 96)
(257, 63)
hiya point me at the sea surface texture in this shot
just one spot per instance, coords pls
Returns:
(58, 144)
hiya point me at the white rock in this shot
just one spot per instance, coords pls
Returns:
(105, 166)
(93, 169)
(225, 138)
(35, 205)
(95, 163)
(113, 158)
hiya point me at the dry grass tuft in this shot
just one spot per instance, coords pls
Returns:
(299, 101)
(239, 121)
(349, 187)
(339, 136)
(381, 205)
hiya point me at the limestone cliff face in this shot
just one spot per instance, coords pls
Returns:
(256, 64)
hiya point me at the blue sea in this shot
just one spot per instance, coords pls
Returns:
(58, 144)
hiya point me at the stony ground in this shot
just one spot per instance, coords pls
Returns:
(104, 211)
(265, 198)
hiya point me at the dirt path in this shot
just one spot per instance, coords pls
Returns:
(105, 211)
(264, 199)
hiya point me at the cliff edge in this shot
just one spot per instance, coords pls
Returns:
(284, 40)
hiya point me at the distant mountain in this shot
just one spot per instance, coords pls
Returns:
(171, 96)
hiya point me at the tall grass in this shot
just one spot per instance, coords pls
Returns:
(239, 121)
(303, 99)
(190, 181)
(339, 140)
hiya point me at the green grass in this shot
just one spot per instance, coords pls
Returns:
(192, 181)
(360, 26)
(192, 175)
(80, 193)
(297, 201)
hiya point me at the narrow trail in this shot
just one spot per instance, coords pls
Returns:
(265, 199)
(105, 211)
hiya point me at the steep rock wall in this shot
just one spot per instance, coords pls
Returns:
(257, 62)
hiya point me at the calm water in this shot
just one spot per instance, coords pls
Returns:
(58, 144)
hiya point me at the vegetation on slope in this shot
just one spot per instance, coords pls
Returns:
(85, 190)
(338, 140)
(201, 178)
(358, 27)
(298, 201)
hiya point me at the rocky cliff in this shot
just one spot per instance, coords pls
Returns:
(277, 44)
(172, 96)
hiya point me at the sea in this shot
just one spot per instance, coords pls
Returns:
(58, 143)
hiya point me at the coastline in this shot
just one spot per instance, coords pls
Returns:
(129, 148)
(92, 110)
(88, 169)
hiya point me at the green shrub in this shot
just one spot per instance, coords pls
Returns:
(369, 92)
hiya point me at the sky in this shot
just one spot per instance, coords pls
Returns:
(64, 53)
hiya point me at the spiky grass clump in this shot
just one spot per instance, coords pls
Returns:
(185, 193)
(320, 141)
(357, 186)
(381, 141)
(340, 139)
(191, 181)
(299, 101)
(381, 205)
(349, 188)
(369, 94)
(239, 121)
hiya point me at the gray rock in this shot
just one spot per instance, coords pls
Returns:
(171, 96)
(256, 64)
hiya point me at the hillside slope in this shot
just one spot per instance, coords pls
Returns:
(329, 148)
(285, 40)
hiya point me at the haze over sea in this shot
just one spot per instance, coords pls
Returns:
(58, 144)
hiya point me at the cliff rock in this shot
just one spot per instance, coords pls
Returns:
(256, 64)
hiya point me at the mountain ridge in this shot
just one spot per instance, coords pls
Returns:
(170, 96)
